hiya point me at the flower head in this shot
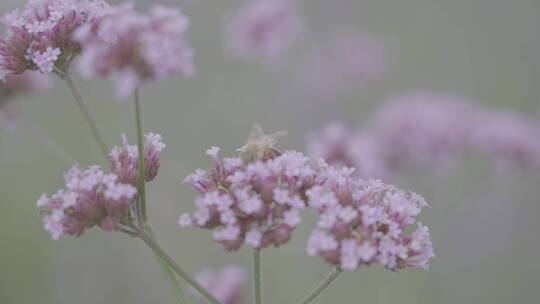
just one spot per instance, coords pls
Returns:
(90, 198)
(40, 35)
(124, 159)
(134, 48)
(263, 29)
(226, 284)
(365, 221)
(255, 202)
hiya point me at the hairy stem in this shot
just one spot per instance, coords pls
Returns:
(330, 278)
(140, 158)
(257, 276)
(86, 113)
(174, 266)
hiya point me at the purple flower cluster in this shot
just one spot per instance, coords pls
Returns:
(124, 159)
(429, 130)
(93, 197)
(363, 222)
(255, 203)
(263, 29)
(40, 35)
(133, 48)
(226, 284)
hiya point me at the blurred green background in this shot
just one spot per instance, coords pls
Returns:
(485, 228)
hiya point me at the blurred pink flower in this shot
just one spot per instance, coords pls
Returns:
(509, 138)
(226, 285)
(17, 85)
(423, 128)
(133, 48)
(263, 29)
(346, 60)
(25, 83)
(339, 146)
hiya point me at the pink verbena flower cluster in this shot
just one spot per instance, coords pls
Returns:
(124, 159)
(263, 29)
(93, 197)
(257, 203)
(430, 130)
(365, 221)
(254, 203)
(40, 35)
(133, 47)
(226, 284)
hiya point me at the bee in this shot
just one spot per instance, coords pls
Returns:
(260, 146)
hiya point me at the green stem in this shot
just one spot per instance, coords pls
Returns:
(86, 113)
(140, 158)
(174, 266)
(330, 278)
(257, 276)
(179, 292)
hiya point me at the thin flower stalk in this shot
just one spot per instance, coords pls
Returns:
(86, 113)
(173, 265)
(323, 285)
(140, 159)
(257, 276)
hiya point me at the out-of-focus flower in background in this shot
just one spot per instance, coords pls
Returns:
(20, 85)
(340, 146)
(510, 138)
(345, 60)
(226, 284)
(429, 130)
(133, 48)
(263, 29)
(423, 129)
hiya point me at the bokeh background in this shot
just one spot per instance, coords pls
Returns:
(485, 227)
